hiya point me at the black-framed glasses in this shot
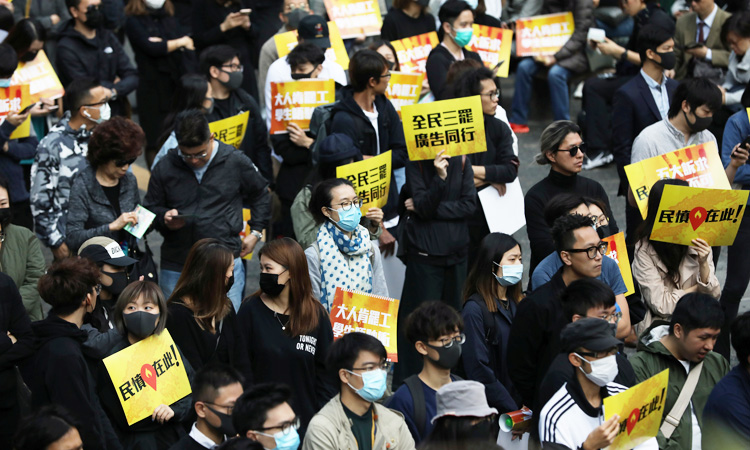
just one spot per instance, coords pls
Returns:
(187, 157)
(613, 318)
(591, 252)
(599, 355)
(573, 151)
(91, 105)
(292, 7)
(229, 408)
(285, 427)
(347, 205)
(494, 95)
(124, 162)
(385, 365)
(386, 75)
(448, 342)
(235, 67)
(599, 221)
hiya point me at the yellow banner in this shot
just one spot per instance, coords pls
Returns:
(285, 42)
(699, 165)
(16, 98)
(365, 313)
(493, 46)
(40, 76)
(147, 374)
(412, 52)
(231, 130)
(686, 213)
(355, 18)
(543, 35)
(619, 254)
(294, 102)
(371, 178)
(456, 125)
(640, 409)
(404, 89)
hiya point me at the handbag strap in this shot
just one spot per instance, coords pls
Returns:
(675, 414)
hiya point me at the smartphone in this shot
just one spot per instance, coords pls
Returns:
(693, 45)
(26, 109)
(246, 11)
(746, 142)
(183, 216)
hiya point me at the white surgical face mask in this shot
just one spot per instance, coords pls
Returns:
(603, 371)
(154, 4)
(105, 113)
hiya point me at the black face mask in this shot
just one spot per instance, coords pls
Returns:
(28, 56)
(140, 324)
(94, 17)
(230, 282)
(603, 231)
(119, 282)
(423, 3)
(447, 357)
(5, 217)
(391, 64)
(294, 17)
(269, 284)
(226, 427)
(700, 124)
(302, 76)
(668, 60)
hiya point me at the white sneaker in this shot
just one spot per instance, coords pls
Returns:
(600, 160)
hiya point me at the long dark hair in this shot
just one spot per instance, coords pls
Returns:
(470, 82)
(189, 94)
(452, 433)
(480, 279)
(23, 34)
(671, 255)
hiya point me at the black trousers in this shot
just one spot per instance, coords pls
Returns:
(597, 103)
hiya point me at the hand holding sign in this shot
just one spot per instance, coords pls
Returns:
(604, 434)
(441, 164)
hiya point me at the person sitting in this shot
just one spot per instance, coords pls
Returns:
(263, 414)
(436, 330)
(407, 18)
(698, 47)
(52, 427)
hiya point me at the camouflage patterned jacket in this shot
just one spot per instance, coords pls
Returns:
(61, 154)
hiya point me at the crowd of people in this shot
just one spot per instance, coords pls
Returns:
(144, 80)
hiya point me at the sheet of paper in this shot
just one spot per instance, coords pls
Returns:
(145, 218)
(504, 440)
(504, 214)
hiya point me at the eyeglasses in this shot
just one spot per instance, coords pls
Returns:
(494, 95)
(292, 7)
(385, 365)
(599, 221)
(188, 157)
(234, 67)
(124, 162)
(573, 151)
(347, 205)
(591, 252)
(91, 105)
(613, 318)
(228, 408)
(98, 288)
(285, 427)
(448, 342)
(604, 354)
(387, 75)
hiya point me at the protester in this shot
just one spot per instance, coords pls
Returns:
(519, 9)
(201, 318)
(199, 191)
(683, 345)
(666, 271)
(463, 418)
(736, 36)
(49, 428)
(162, 53)
(50, 14)
(216, 389)
(58, 372)
(264, 415)
(436, 331)
(456, 20)
(387, 51)
(293, 327)
(698, 47)
(407, 18)
(353, 419)
(482, 16)
(104, 197)
(87, 49)
(589, 344)
(491, 295)
(343, 248)
(60, 156)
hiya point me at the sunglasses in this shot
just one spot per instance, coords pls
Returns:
(573, 151)
(124, 162)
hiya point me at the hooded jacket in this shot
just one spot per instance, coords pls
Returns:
(653, 357)
(10, 161)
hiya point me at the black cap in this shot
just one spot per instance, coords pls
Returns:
(338, 147)
(590, 333)
(314, 29)
(101, 249)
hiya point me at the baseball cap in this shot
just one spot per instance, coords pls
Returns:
(314, 29)
(462, 399)
(590, 333)
(101, 249)
(337, 147)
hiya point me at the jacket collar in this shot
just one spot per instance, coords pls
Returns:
(576, 393)
(96, 190)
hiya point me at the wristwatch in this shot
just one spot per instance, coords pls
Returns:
(257, 234)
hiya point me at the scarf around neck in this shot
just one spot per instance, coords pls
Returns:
(344, 262)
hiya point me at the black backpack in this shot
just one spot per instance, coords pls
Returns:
(414, 384)
(320, 127)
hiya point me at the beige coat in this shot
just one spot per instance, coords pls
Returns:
(661, 293)
(331, 429)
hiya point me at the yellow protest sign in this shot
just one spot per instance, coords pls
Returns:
(456, 125)
(493, 46)
(371, 178)
(285, 42)
(640, 409)
(412, 52)
(686, 213)
(619, 254)
(40, 76)
(231, 130)
(16, 98)
(294, 102)
(699, 165)
(404, 89)
(543, 35)
(355, 18)
(147, 374)
(365, 313)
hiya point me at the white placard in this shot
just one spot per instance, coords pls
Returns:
(504, 214)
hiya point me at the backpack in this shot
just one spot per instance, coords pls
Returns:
(414, 384)
(320, 127)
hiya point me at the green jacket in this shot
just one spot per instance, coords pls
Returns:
(652, 357)
(21, 259)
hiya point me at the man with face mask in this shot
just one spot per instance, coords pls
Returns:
(263, 415)
(87, 49)
(353, 419)
(591, 350)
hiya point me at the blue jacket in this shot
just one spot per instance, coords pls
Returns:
(10, 167)
(726, 416)
(735, 131)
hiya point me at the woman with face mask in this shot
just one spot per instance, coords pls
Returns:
(493, 289)
(293, 327)
(407, 18)
(140, 312)
(343, 254)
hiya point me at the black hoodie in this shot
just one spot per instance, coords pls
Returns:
(59, 373)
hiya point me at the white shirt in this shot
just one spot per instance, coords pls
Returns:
(709, 22)
(696, 426)
(201, 438)
(659, 92)
(373, 116)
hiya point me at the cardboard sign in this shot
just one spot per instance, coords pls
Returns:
(371, 178)
(619, 254)
(640, 409)
(16, 98)
(699, 165)
(285, 42)
(412, 52)
(295, 101)
(377, 316)
(147, 374)
(404, 89)
(40, 76)
(456, 125)
(686, 213)
(231, 130)
(493, 46)
(355, 18)
(543, 35)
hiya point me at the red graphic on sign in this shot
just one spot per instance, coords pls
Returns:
(633, 419)
(697, 216)
(148, 373)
